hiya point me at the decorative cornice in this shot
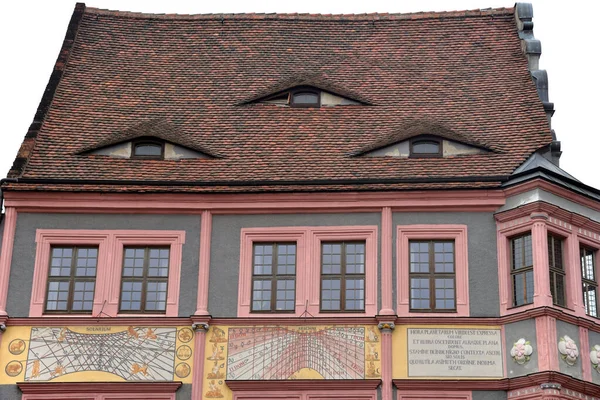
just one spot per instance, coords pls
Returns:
(103, 387)
(298, 384)
(536, 379)
(104, 321)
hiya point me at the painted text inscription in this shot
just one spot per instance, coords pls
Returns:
(455, 352)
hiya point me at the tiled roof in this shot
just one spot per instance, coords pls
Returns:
(464, 71)
(417, 128)
(156, 128)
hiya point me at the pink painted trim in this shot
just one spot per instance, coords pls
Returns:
(504, 366)
(204, 263)
(386, 262)
(458, 233)
(99, 390)
(584, 347)
(308, 254)
(541, 272)
(249, 236)
(539, 222)
(198, 371)
(442, 200)
(422, 395)
(110, 260)
(386, 365)
(8, 238)
(341, 386)
(547, 342)
(304, 395)
(343, 233)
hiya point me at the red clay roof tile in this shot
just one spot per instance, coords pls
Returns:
(461, 70)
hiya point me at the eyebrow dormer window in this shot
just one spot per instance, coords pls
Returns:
(426, 147)
(147, 149)
(306, 98)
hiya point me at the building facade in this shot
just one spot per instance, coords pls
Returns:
(305, 207)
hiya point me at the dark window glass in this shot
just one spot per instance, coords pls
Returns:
(149, 150)
(71, 279)
(145, 279)
(305, 99)
(522, 270)
(557, 270)
(274, 277)
(432, 276)
(590, 284)
(426, 147)
(343, 276)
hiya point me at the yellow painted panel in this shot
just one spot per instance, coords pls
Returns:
(400, 348)
(289, 352)
(96, 353)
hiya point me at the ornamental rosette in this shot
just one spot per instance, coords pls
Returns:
(568, 350)
(521, 351)
(595, 357)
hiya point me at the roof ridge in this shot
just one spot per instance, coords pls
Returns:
(308, 16)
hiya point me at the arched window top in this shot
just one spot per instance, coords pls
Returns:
(305, 98)
(147, 149)
(426, 147)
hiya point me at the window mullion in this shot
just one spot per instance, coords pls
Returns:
(343, 277)
(274, 278)
(72, 281)
(431, 276)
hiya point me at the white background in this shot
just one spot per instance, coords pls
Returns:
(32, 32)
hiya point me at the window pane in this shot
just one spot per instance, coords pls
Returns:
(589, 299)
(331, 254)
(148, 149)
(425, 147)
(306, 98)
(587, 264)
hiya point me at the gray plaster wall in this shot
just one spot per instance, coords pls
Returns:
(562, 329)
(225, 249)
(483, 260)
(184, 392)
(10, 392)
(489, 395)
(21, 272)
(594, 339)
(513, 332)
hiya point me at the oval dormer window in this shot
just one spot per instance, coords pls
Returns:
(148, 150)
(305, 99)
(426, 148)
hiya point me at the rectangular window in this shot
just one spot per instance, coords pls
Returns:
(557, 270)
(432, 276)
(144, 280)
(342, 276)
(274, 277)
(590, 284)
(521, 272)
(71, 279)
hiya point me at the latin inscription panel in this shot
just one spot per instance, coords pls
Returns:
(468, 353)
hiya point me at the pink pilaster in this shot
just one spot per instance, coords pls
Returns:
(386, 262)
(574, 289)
(547, 343)
(204, 264)
(198, 368)
(386, 329)
(584, 351)
(8, 238)
(541, 271)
